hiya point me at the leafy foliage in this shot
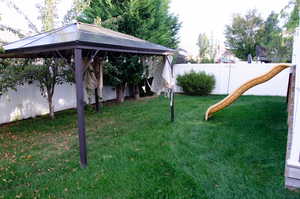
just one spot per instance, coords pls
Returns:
(136, 17)
(203, 44)
(207, 49)
(2, 49)
(249, 31)
(48, 72)
(48, 14)
(74, 13)
(278, 46)
(196, 83)
(291, 14)
(30, 24)
(122, 70)
(11, 74)
(244, 34)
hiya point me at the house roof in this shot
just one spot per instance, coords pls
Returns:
(86, 36)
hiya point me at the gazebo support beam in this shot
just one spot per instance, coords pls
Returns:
(79, 69)
(97, 100)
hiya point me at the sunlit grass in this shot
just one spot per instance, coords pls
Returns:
(135, 152)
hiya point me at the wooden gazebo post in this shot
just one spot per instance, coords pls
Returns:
(80, 105)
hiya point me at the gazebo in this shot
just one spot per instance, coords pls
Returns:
(80, 41)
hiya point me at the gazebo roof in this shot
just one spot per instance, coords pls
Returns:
(85, 36)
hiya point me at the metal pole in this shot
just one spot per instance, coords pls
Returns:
(97, 100)
(80, 105)
(172, 106)
(172, 95)
(288, 89)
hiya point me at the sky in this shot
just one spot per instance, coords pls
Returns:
(211, 16)
(196, 16)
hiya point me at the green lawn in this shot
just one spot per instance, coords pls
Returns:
(135, 152)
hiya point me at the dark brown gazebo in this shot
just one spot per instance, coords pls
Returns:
(80, 40)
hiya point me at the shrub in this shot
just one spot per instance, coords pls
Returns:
(2, 49)
(194, 83)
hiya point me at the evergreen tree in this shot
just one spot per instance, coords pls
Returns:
(146, 19)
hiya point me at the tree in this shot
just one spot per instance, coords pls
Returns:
(30, 24)
(48, 14)
(213, 48)
(11, 74)
(203, 44)
(244, 34)
(207, 48)
(50, 73)
(134, 17)
(47, 72)
(124, 69)
(291, 15)
(74, 13)
(277, 46)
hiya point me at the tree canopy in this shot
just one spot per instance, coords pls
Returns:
(291, 14)
(250, 31)
(244, 34)
(47, 72)
(146, 19)
(203, 44)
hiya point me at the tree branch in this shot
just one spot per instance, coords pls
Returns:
(31, 25)
(12, 30)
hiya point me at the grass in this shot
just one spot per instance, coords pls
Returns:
(135, 152)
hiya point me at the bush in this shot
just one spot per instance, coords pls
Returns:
(196, 83)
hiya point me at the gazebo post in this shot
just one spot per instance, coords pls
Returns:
(172, 95)
(80, 105)
(97, 100)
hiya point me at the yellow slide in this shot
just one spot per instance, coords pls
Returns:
(238, 92)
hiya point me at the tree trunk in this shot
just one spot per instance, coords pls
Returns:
(51, 107)
(120, 93)
(136, 92)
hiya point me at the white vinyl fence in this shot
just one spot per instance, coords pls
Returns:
(231, 76)
(27, 102)
(293, 160)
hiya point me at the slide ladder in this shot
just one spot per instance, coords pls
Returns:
(246, 86)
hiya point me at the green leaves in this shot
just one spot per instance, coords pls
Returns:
(47, 72)
(122, 69)
(248, 31)
(2, 49)
(242, 35)
(196, 83)
(146, 19)
(11, 74)
(203, 44)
